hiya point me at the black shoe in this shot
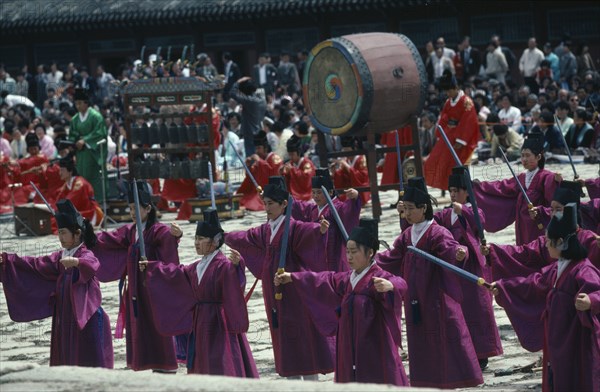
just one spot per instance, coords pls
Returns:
(393, 206)
(483, 363)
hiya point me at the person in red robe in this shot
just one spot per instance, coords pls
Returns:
(206, 301)
(79, 191)
(362, 308)
(9, 173)
(299, 171)
(437, 334)
(563, 301)
(262, 164)
(63, 285)
(351, 172)
(458, 119)
(32, 166)
(390, 160)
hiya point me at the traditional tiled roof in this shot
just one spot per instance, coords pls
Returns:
(27, 16)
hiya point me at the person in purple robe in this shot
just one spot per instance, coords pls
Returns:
(348, 211)
(206, 301)
(590, 210)
(569, 315)
(440, 348)
(62, 285)
(119, 254)
(509, 261)
(503, 202)
(362, 308)
(477, 304)
(300, 349)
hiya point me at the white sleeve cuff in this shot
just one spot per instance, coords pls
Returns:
(461, 141)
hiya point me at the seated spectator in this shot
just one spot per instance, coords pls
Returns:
(508, 140)
(581, 133)
(552, 139)
(509, 114)
(46, 142)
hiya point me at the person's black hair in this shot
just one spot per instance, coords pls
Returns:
(3, 93)
(227, 56)
(24, 124)
(152, 218)
(247, 87)
(9, 126)
(582, 114)
(574, 251)
(542, 161)
(562, 105)
(88, 235)
(40, 125)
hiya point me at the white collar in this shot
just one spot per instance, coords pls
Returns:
(454, 101)
(418, 229)
(529, 174)
(355, 278)
(453, 216)
(71, 252)
(275, 225)
(562, 265)
(143, 228)
(83, 116)
(70, 182)
(203, 264)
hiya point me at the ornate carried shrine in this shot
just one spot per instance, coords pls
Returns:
(362, 85)
(168, 122)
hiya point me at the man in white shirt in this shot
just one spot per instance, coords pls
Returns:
(530, 63)
(510, 115)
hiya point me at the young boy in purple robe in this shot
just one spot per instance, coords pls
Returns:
(119, 254)
(503, 202)
(570, 315)
(440, 348)
(63, 285)
(299, 349)
(362, 308)
(348, 211)
(206, 301)
(477, 304)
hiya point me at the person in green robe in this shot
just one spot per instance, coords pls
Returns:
(87, 129)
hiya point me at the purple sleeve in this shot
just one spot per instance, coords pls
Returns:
(469, 216)
(111, 249)
(349, 212)
(590, 215)
(588, 280)
(88, 265)
(509, 261)
(498, 200)
(321, 293)
(252, 246)
(308, 244)
(172, 313)
(392, 304)
(593, 188)
(165, 244)
(302, 210)
(544, 214)
(445, 246)
(550, 185)
(524, 300)
(392, 260)
(234, 304)
(29, 284)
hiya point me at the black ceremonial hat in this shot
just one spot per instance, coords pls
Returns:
(563, 226)
(81, 94)
(144, 193)
(322, 178)
(67, 162)
(416, 191)
(260, 139)
(568, 192)
(447, 81)
(293, 144)
(347, 141)
(366, 233)
(32, 140)
(276, 189)
(534, 142)
(458, 178)
(210, 226)
(67, 216)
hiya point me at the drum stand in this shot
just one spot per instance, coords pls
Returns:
(14, 215)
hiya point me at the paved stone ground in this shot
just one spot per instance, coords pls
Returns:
(24, 347)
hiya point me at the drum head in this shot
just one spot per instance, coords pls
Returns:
(409, 168)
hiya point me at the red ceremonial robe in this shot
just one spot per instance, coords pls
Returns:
(357, 175)
(212, 310)
(261, 170)
(118, 252)
(50, 184)
(298, 346)
(349, 212)
(81, 194)
(477, 305)
(40, 287)
(390, 159)
(367, 323)
(9, 172)
(299, 179)
(503, 203)
(459, 121)
(36, 176)
(439, 344)
(571, 337)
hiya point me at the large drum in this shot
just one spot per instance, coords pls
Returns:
(354, 82)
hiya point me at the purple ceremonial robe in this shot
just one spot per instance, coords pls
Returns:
(590, 215)
(298, 347)
(593, 188)
(367, 323)
(212, 310)
(40, 287)
(118, 252)
(477, 304)
(349, 212)
(571, 338)
(503, 203)
(510, 261)
(439, 344)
